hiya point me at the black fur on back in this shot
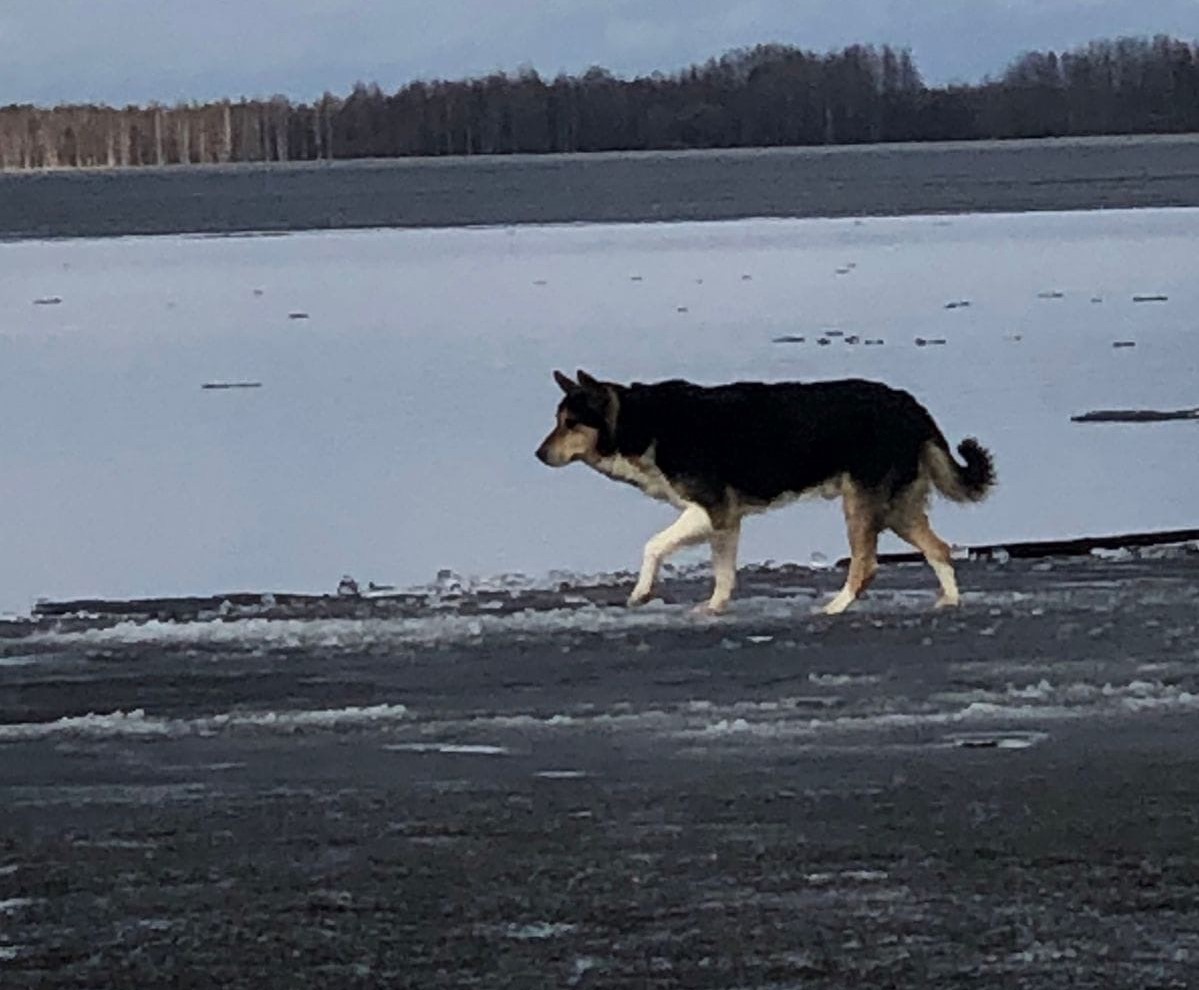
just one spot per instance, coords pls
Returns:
(764, 440)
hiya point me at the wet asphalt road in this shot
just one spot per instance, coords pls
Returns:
(1002, 796)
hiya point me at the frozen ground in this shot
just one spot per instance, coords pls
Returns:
(517, 783)
(405, 383)
(531, 789)
(1128, 601)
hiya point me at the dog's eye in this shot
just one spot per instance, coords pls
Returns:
(569, 423)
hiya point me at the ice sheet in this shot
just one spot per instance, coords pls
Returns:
(394, 429)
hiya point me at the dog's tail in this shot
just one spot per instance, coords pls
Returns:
(970, 482)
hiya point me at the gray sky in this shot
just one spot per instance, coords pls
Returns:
(121, 51)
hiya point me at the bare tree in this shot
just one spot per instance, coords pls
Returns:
(767, 95)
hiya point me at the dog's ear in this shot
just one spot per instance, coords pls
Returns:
(564, 383)
(586, 380)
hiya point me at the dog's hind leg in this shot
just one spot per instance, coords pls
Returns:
(693, 526)
(862, 522)
(724, 567)
(917, 531)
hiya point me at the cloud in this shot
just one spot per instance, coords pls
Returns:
(138, 50)
(639, 35)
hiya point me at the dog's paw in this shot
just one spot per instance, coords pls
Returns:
(638, 598)
(838, 605)
(710, 608)
(946, 602)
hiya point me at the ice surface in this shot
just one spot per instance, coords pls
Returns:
(393, 433)
(249, 634)
(865, 708)
(996, 740)
(449, 625)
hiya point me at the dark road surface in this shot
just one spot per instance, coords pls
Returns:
(883, 180)
(536, 790)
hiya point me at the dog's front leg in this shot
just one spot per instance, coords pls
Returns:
(693, 526)
(724, 568)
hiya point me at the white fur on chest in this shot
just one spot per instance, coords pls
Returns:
(641, 472)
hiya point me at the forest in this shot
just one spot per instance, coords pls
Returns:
(767, 96)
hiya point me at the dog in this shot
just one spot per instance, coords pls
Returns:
(721, 453)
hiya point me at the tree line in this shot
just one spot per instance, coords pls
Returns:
(767, 96)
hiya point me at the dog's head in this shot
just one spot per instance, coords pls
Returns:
(586, 422)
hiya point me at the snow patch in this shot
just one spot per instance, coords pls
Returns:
(1135, 695)
(460, 749)
(539, 930)
(428, 630)
(851, 876)
(15, 904)
(1034, 702)
(137, 724)
(843, 680)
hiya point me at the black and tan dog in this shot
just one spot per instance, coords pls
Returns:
(721, 453)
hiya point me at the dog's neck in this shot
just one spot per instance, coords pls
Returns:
(638, 470)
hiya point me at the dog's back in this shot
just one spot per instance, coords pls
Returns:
(766, 440)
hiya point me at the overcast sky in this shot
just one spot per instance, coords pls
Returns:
(121, 51)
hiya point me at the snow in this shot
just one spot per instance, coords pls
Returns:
(842, 680)
(393, 432)
(450, 749)
(1043, 702)
(138, 725)
(844, 876)
(424, 631)
(538, 930)
(449, 626)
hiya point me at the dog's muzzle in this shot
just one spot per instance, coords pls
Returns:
(550, 457)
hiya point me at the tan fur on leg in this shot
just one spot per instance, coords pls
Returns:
(862, 522)
(920, 534)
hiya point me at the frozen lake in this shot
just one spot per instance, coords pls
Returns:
(557, 792)
(1134, 171)
(393, 431)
